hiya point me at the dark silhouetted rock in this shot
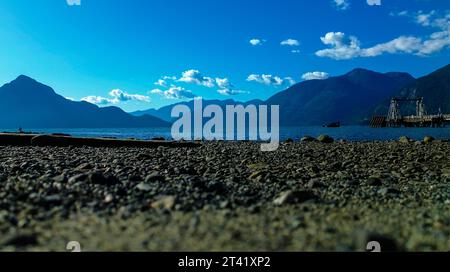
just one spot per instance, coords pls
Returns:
(325, 139)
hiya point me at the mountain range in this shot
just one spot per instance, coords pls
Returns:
(26, 103)
(434, 88)
(165, 112)
(345, 98)
(351, 98)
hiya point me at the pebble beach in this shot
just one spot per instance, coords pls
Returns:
(227, 196)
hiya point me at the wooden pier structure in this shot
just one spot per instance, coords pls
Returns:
(420, 119)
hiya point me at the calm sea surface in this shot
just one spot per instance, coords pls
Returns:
(350, 133)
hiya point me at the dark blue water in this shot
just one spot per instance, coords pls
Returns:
(350, 133)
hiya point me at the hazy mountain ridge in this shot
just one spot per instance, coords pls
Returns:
(350, 99)
(165, 112)
(345, 98)
(24, 102)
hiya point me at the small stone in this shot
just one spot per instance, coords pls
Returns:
(428, 139)
(325, 139)
(143, 157)
(294, 197)
(315, 183)
(215, 186)
(308, 139)
(353, 182)
(335, 166)
(374, 181)
(53, 199)
(60, 179)
(258, 166)
(135, 178)
(405, 140)
(84, 166)
(108, 198)
(96, 178)
(164, 202)
(101, 179)
(446, 173)
(257, 175)
(154, 176)
(144, 187)
(224, 204)
(389, 191)
(77, 178)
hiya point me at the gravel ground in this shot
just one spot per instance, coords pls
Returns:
(228, 197)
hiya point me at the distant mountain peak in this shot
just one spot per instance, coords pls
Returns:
(360, 71)
(24, 78)
(26, 85)
(26, 102)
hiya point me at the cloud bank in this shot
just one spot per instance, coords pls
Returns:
(225, 87)
(348, 47)
(290, 42)
(73, 2)
(256, 42)
(374, 2)
(194, 76)
(174, 92)
(271, 80)
(341, 4)
(315, 75)
(117, 96)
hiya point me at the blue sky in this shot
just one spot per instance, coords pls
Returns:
(112, 52)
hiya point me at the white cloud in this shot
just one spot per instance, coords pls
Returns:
(120, 96)
(295, 51)
(315, 75)
(403, 44)
(223, 83)
(164, 82)
(97, 100)
(194, 76)
(436, 41)
(230, 91)
(433, 18)
(117, 96)
(374, 2)
(341, 4)
(424, 19)
(174, 92)
(290, 42)
(343, 47)
(161, 82)
(256, 42)
(73, 2)
(226, 87)
(271, 80)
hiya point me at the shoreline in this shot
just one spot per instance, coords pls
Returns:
(62, 139)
